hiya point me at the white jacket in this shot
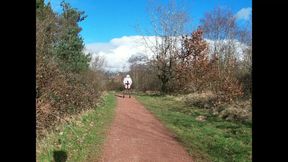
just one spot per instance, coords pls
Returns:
(127, 79)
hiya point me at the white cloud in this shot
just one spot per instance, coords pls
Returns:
(238, 47)
(244, 13)
(118, 50)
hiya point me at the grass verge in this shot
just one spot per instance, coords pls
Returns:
(214, 139)
(81, 138)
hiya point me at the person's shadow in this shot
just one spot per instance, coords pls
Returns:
(60, 156)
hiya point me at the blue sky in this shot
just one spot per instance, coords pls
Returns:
(108, 19)
(110, 32)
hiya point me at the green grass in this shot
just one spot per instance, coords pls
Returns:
(82, 138)
(214, 140)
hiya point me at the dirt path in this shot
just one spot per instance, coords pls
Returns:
(136, 136)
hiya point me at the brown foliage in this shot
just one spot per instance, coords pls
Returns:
(61, 94)
(193, 67)
(196, 70)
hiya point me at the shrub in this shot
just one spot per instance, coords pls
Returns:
(64, 83)
(201, 100)
(236, 111)
(233, 111)
(61, 93)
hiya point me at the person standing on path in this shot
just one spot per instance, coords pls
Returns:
(127, 81)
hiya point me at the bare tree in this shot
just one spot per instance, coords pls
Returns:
(232, 45)
(220, 26)
(97, 63)
(168, 22)
(137, 69)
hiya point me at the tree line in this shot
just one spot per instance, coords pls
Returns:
(68, 81)
(212, 63)
(187, 62)
(207, 59)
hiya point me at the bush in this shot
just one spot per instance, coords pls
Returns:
(233, 111)
(237, 111)
(60, 93)
(64, 83)
(246, 80)
(201, 100)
